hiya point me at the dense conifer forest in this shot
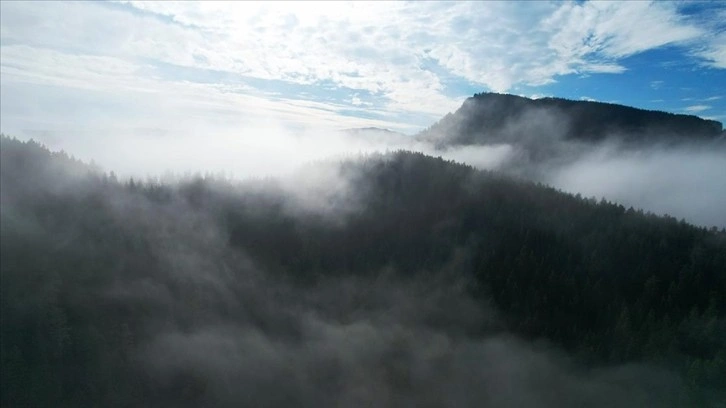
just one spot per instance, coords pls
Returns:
(495, 118)
(449, 285)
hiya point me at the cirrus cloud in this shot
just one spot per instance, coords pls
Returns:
(398, 64)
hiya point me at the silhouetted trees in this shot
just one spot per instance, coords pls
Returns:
(488, 118)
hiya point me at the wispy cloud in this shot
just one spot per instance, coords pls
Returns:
(712, 48)
(696, 108)
(715, 54)
(404, 63)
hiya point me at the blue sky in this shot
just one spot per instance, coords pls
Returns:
(165, 67)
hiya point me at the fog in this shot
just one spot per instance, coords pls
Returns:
(215, 328)
(686, 182)
(683, 180)
(655, 170)
(302, 273)
(262, 150)
(301, 161)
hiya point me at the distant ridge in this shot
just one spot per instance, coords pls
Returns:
(491, 118)
(370, 129)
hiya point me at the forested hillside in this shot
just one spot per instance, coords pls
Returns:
(419, 282)
(488, 118)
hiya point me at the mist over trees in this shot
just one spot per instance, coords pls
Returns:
(665, 163)
(407, 280)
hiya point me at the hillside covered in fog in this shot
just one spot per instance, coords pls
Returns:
(398, 279)
(363, 204)
(488, 118)
(663, 162)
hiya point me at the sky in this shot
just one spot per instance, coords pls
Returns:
(157, 69)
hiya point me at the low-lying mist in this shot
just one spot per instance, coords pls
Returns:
(201, 324)
(686, 182)
(264, 150)
(206, 292)
(682, 180)
(635, 158)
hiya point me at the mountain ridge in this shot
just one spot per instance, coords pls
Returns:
(491, 117)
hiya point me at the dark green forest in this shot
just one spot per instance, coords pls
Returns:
(496, 118)
(424, 283)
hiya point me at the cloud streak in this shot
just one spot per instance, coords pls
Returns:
(696, 108)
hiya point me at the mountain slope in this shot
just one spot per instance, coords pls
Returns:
(488, 118)
(213, 293)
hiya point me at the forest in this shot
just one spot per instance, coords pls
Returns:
(417, 281)
(491, 117)
(363, 204)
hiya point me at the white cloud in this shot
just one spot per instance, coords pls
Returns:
(537, 96)
(112, 88)
(696, 108)
(715, 52)
(496, 46)
(712, 47)
(624, 29)
(377, 48)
